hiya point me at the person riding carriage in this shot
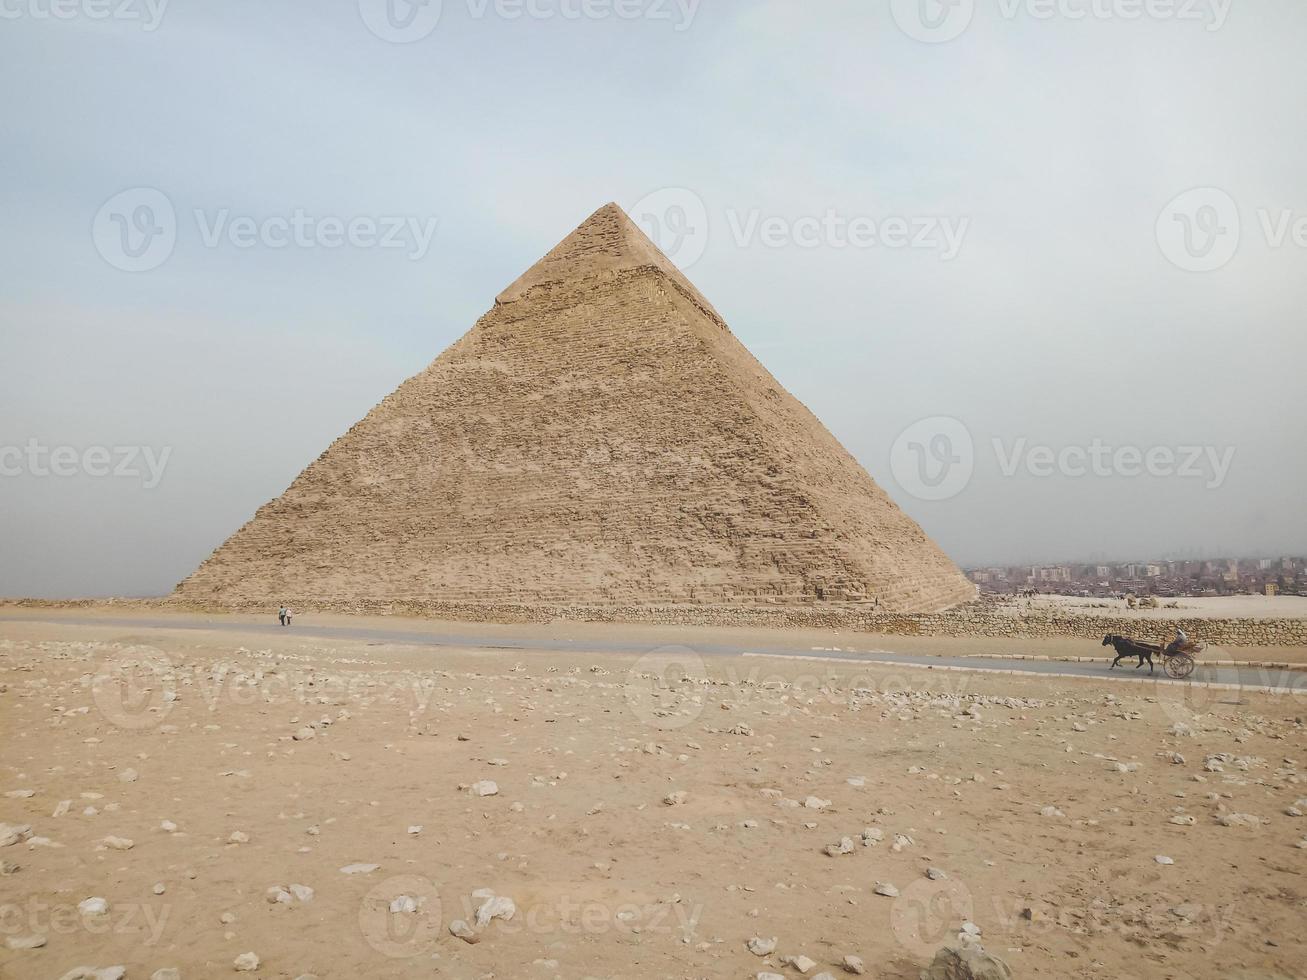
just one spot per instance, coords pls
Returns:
(1178, 656)
(1179, 643)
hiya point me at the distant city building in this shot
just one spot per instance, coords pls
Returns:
(1210, 577)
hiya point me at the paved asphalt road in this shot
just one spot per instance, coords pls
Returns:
(465, 635)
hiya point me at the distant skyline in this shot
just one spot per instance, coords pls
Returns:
(1137, 559)
(1043, 276)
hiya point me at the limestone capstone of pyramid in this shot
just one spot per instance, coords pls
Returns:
(600, 439)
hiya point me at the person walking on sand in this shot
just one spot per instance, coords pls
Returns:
(281, 615)
(287, 623)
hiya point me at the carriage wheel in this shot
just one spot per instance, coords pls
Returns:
(1180, 666)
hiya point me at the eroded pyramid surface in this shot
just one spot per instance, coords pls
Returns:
(599, 438)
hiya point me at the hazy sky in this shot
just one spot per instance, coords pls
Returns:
(938, 225)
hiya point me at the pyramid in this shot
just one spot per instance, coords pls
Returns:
(598, 439)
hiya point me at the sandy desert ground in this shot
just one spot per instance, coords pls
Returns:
(177, 800)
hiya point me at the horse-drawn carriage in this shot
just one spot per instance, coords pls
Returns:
(1178, 659)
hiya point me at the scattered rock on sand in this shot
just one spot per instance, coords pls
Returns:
(24, 942)
(359, 869)
(12, 833)
(494, 907)
(854, 965)
(886, 889)
(246, 963)
(463, 931)
(845, 846)
(1239, 820)
(761, 947)
(799, 962)
(485, 787)
(966, 963)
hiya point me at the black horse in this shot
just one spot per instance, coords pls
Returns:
(1127, 648)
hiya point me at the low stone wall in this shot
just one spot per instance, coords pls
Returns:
(976, 619)
(1223, 632)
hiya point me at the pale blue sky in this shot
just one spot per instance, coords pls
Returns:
(1055, 143)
